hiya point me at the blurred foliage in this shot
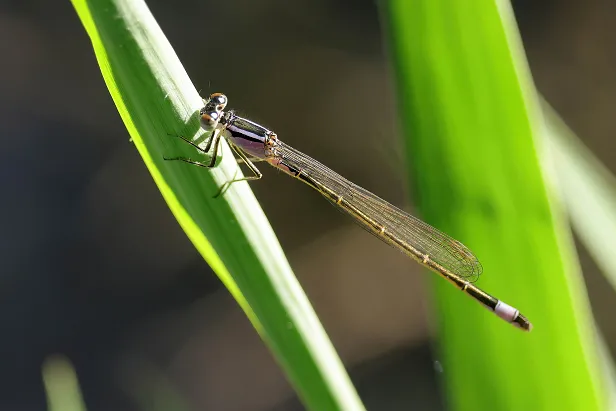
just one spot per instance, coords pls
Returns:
(61, 385)
(473, 136)
(588, 190)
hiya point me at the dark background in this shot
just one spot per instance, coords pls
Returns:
(94, 267)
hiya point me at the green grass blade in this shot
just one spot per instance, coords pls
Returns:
(609, 373)
(62, 385)
(473, 128)
(154, 97)
(588, 190)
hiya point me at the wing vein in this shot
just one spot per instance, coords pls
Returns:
(440, 247)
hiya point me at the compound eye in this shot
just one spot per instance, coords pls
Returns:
(209, 120)
(219, 100)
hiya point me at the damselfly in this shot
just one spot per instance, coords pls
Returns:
(430, 247)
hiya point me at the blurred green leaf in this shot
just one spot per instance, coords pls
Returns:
(155, 97)
(588, 190)
(609, 372)
(473, 134)
(61, 385)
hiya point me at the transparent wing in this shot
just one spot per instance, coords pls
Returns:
(441, 248)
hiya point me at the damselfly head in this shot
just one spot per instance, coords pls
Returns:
(213, 111)
(209, 119)
(218, 101)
